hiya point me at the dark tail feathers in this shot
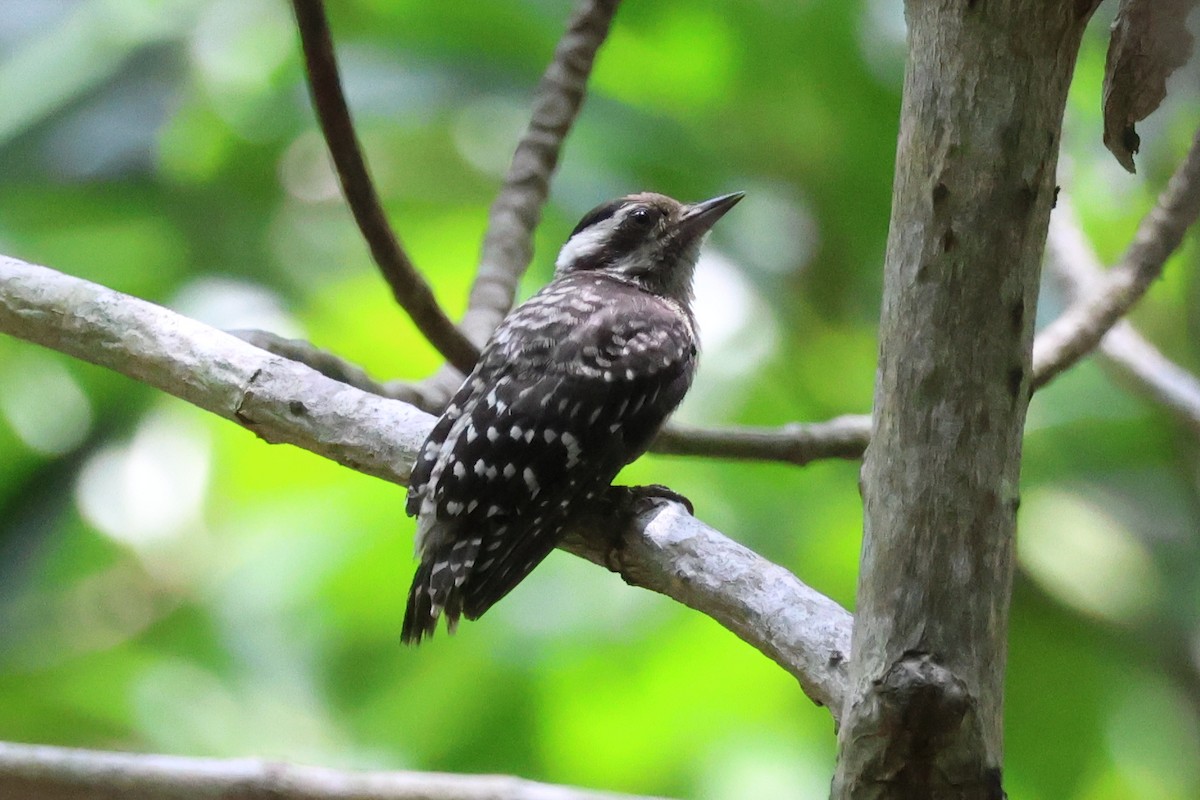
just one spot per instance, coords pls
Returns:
(437, 589)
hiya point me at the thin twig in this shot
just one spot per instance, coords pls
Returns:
(1080, 328)
(283, 401)
(796, 443)
(1075, 264)
(310, 355)
(508, 242)
(38, 772)
(416, 394)
(411, 290)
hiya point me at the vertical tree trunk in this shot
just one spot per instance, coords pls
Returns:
(984, 94)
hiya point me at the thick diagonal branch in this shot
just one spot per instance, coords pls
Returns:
(411, 290)
(767, 606)
(284, 401)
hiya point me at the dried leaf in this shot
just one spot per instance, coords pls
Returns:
(1150, 40)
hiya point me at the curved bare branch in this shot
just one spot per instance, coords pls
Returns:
(1075, 264)
(1077, 332)
(508, 242)
(410, 289)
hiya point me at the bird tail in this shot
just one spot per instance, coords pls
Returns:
(437, 589)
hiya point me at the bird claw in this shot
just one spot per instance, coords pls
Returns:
(656, 492)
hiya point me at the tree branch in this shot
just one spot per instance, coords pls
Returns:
(984, 92)
(508, 242)
(1080, 328)
(1075, 264)
(795, 443)
(418, 394)
(666, 550)
(34, 772)
(278, 399)
(411, 290)
(283, 401)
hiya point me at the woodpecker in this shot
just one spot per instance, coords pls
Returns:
(571, 387)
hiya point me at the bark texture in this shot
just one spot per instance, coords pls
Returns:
(984, 94)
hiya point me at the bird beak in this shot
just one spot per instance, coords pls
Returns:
(698, 218)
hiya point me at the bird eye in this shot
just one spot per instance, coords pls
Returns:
(642, 217)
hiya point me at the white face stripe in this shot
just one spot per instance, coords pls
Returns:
(588, 241)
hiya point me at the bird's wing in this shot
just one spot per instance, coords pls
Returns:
(598, 400)
(553, 411)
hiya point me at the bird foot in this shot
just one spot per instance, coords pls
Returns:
(654, 492)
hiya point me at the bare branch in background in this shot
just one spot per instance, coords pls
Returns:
(1159, 378)
(1075, 264)
(35, 772)
(796, 443)
(283, 401)
(508, 242)
(1080, 328)
(410, 289)
(305, 352)
(337, 368)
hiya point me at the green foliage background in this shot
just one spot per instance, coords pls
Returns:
(169, 583)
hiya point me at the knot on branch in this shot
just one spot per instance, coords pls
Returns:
(240, 412)
(923, 700)
(921, 732)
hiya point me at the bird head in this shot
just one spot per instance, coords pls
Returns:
(648, 238)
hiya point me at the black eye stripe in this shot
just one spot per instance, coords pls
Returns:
(598, 214)
(624, 240)
(615, 231)
(640, 216)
